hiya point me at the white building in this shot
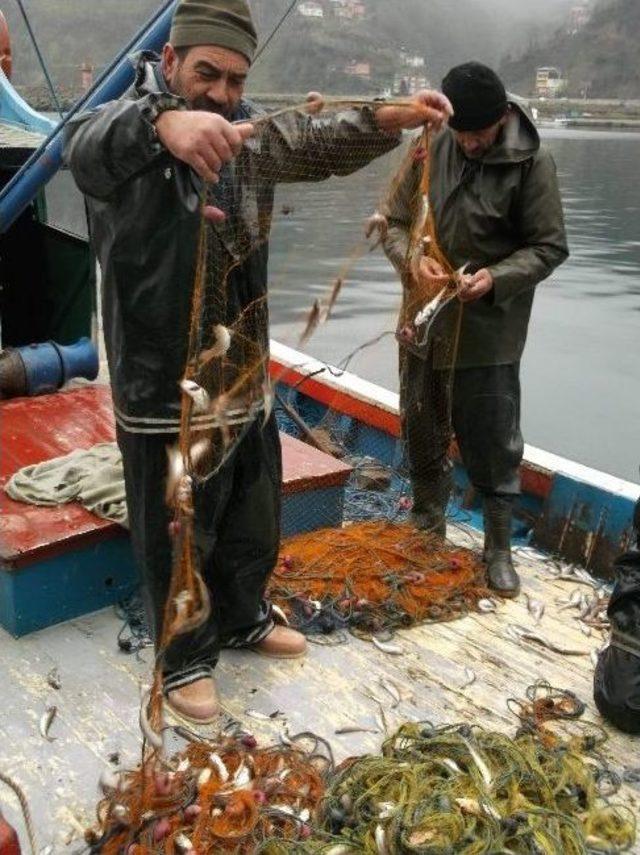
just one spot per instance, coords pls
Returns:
(311, 10)
(414, 61)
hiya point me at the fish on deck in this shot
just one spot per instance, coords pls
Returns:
(349, 694)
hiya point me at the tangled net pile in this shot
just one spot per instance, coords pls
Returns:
(461, 789)
(222, 796)
(373, 577)
(434, 789)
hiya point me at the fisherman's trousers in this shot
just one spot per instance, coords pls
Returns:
(237, 534)
(481, 406)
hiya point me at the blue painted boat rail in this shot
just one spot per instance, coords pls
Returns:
(567, 509)
(114, 80)
(14, 110)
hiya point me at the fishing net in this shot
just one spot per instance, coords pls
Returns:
(374, 577)
(433, 789)
(464, 789)
(228, 390)
(226, 795)
(226, 386)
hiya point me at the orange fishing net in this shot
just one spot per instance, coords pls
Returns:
(374, 576)
(224, 796)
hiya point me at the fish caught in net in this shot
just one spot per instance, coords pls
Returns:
(373, 577)
(226, 795)
(470, 790)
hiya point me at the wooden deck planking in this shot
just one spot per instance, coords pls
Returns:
(98, 701)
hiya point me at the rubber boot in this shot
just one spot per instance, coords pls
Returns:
(430, 502)
(502, 576)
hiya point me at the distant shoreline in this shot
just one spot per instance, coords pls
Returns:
(605, 114)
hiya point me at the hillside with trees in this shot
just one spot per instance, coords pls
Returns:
(329, 52)
(601, 60)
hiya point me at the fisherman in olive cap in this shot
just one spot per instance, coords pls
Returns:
(496, 208)
(141, 161)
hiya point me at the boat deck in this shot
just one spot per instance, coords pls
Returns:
(100, 688)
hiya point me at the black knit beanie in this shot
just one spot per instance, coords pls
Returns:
(477, 95)
(224, 23)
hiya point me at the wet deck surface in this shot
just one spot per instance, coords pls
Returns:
(100, 687)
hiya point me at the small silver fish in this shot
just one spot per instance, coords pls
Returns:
(46, 721)
(109, 780)
(313, 319)
(199, 396)
(333, 296)
(470, 677)
(53, 679)
(376, 222)
(427, 312)
(518, 633)
(183, 843)
(535, 608)
(480, 763)
(572, 602)
(450, 764)
(260, 716)
(584, 629)
(221, 344)
(381, 719)
(390, 687)
(154, 739)
(221, 769)
(386, 647)
(279, 613)
(242, 776)
(381, 840)
(487, 605)
(355, 728)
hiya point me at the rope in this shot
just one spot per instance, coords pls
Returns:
(43, 64)
(262, 49)
(26, 813)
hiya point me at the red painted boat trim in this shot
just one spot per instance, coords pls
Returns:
(33, 430)
(340, 401)
(536, 481)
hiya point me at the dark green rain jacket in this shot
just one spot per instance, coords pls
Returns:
(502, 212)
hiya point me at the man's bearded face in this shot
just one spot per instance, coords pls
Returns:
(208, 77)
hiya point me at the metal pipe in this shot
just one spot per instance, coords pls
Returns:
(113, 81)
(43, 64)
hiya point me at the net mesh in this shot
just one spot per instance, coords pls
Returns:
(229, 387)
(355, 563)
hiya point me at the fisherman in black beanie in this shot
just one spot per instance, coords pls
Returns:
(142, 161)
(496, 209)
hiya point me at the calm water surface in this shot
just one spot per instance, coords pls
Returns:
(581, 370)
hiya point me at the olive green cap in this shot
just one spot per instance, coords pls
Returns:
(224, 23)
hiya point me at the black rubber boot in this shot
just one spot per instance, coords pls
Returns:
(430, 506)
(502, 576)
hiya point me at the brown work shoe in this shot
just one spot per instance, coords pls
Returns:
(198, 702)
(282, 643)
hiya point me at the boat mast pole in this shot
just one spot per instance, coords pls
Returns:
(113, 81)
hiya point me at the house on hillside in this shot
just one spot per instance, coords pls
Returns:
(309, 9)
(411, 60)
(359, 69)
(349, 9)
(549, 82)
(409, 84)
